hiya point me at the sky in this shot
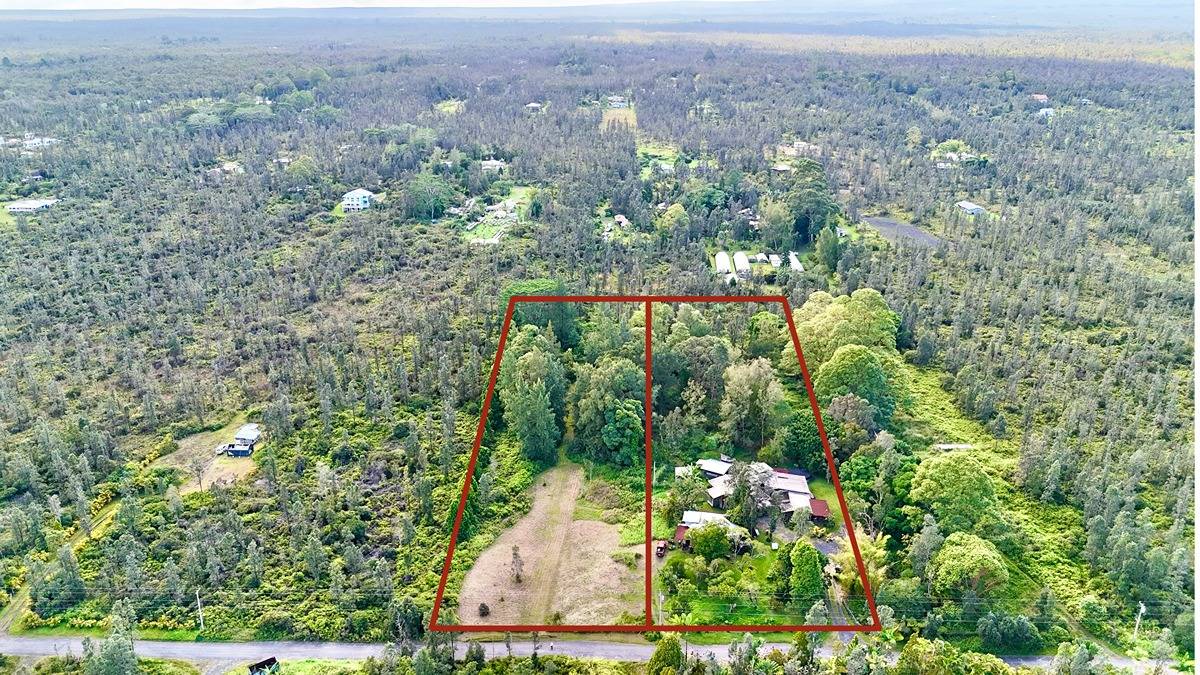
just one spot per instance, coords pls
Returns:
(265, 4)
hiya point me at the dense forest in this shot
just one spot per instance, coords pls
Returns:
(1008, 393)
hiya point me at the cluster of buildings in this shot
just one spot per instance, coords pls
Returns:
(30, 142)
(493, 165)
(615, 102)
(788, 489)
(740, 265)
(798, 148)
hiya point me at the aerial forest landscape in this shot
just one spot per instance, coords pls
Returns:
(313, 321)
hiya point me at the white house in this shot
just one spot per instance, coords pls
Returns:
(358, 200)
(775, 261)
(700, 518)
(1045, 112)
(493, 165)
(533, 107)
(618, 102)
(29, 205)
(971, 208)
(741, 264)
(723, 264)
(244, 440)
(794, 261)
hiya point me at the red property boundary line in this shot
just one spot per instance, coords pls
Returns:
(649, 624)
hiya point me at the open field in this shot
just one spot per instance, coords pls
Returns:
(570, 575)
(199, 448)
(627, 116)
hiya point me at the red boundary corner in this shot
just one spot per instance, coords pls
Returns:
(649, 624)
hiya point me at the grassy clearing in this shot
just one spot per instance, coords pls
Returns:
(653, 153)
(626, 116)
(451, 106)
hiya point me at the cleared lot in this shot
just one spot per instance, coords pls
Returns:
(569, 577)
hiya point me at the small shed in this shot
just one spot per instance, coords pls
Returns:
(819, 509)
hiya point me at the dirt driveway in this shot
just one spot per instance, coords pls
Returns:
(569, 576)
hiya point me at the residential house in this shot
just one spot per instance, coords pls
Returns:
(794, 261)
(493, 165)
(618, 102)
(775, 261)
(244, 440)
(358, 200)
(1045, 112)
(533, 107)
(1040, 98)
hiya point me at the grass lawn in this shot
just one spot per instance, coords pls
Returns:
(339, 211)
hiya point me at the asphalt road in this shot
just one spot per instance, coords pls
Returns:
(226, 655)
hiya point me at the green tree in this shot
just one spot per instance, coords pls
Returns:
(824, 323)
(807, 583)
(965, 563)
(606, 406)
(426, 196)
(956, 488)
(710, 541)
(800, 443)
(529, 414)
(829, 249)
(854, 369)
(115, 655)
(667, 658)
(753, 403)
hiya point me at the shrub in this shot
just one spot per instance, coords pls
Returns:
(484, 610)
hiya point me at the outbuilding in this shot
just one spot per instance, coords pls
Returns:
(741, 265)
(971, 208)
(723, 264)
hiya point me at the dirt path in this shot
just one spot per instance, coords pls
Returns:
(569, 574)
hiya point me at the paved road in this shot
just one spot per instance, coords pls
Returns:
(225, 656)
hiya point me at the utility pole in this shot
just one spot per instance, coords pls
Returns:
(200, 609)
(1137, 624)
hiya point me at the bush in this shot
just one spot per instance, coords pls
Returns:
(484, 610)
